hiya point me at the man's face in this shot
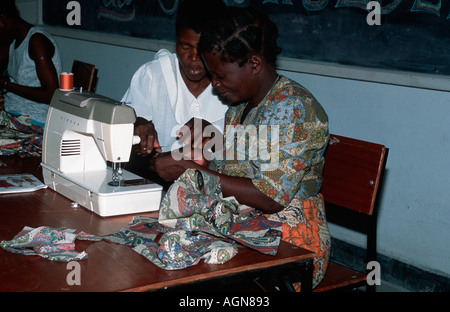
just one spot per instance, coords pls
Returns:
(190, 61)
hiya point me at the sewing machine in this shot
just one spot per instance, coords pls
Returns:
(86, 139)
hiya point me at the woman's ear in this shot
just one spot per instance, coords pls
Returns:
(256, 63)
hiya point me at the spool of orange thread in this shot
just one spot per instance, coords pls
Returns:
(66, 81)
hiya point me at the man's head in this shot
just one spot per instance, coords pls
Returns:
(194, 14)
(191, 18)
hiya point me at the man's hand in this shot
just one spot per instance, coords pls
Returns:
(197, 132)
(149, 138)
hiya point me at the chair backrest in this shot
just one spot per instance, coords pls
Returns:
(352, 173)
(352, 179)
(83, 75)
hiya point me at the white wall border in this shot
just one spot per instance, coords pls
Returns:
(392, 77)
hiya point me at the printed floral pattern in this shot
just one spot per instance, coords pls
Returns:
(19, 136)
(48, 243)
(197, 223)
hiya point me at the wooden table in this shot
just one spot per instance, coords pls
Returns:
(114, 267)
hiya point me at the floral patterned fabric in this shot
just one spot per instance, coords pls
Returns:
(46, 242)
(197, 223)
(194, 203)
(290, 172)
(19, 136)
(201, 224)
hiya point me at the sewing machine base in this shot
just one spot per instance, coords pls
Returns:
(92, 191)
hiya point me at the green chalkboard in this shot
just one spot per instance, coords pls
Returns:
(412, 35)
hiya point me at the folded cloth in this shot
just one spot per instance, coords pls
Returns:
(195, 203)
(176, 249)
(196, 223)
(201, 224)
(46, 242)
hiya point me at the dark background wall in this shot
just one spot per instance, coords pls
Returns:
(414, 35)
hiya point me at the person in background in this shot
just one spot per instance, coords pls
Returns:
(239, 50)
(173, 88)
(33, 65)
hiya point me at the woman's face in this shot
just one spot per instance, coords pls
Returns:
(233, 83)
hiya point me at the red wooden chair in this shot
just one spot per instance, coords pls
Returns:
(352, 179)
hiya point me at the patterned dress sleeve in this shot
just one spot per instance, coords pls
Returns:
(302, 138)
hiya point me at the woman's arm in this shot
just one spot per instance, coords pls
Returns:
(41, 51)
(246, 193)
(242, 189)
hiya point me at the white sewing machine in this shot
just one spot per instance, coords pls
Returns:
(83, 132)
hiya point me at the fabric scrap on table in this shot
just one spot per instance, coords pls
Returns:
(142, 230)
(19, 136)
(49, 243)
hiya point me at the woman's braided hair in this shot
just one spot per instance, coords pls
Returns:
(238, 33)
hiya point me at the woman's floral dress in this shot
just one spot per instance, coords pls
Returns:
(280, 147)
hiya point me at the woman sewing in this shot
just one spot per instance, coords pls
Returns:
(240, 50)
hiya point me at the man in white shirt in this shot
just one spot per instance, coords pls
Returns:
(173, 88)
(168, 91)
(160, 94)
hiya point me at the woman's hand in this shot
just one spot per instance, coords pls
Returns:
(170, 169)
